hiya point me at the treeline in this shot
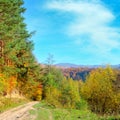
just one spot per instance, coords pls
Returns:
(18, 67)
(76, 73)
(100, 92)
(19, 71)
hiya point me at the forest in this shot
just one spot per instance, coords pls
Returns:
(20, 74)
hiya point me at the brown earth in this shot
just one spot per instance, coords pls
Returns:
(19, 113)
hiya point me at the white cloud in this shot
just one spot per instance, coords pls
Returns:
(92, 19)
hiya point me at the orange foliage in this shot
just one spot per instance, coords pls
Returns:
(38, 92)
(11, 84)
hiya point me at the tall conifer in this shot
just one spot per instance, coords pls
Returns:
(16, 58)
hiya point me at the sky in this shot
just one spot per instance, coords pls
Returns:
(84, 32)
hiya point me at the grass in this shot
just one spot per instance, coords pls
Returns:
(66, 114)
(42, 114)
(42, 111)
(45, 111)
(8, 103)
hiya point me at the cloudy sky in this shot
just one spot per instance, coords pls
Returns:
(83, 32)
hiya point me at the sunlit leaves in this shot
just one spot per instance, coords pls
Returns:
(98, 91)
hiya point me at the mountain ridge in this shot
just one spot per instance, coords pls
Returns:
(72, 65)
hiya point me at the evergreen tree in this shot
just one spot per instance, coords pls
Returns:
(16, 47)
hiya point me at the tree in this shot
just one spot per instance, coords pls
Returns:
(52, 83)
(98, 91)
(69, 93)
(17, 59)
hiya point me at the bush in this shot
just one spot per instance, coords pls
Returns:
(32, 90)
(99, 93)
(70, 93)
(66, 95)
(82, 105)
(52, 96)
(3, 84)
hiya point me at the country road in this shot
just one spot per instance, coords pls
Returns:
(18, 113)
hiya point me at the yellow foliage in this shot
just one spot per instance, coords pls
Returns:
(7, 84)
(52, 95)
(3, 84)
(11, 84)
(98, 91)
(70, 93)
(38, 92)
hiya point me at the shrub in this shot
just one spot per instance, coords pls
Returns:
(52, 96)
(3, 83)
(99, 93)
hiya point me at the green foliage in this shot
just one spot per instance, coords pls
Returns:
(52, 96)
(59, 91)
(98, 91)
(19, 69)
(44, 111)
(52, 76)
(51, 80)
(70, 93)
(81, 105)
(16, 56)
(64, 93)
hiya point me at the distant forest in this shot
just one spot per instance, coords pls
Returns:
(76, 73)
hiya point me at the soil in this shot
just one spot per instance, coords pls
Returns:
(19, 113)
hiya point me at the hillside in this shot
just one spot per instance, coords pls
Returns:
(79, 72)
(76, 73)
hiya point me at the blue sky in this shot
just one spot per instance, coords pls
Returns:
(83, 32)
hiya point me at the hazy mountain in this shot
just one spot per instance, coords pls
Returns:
(67, 65)
(79, 72)
(71, 65)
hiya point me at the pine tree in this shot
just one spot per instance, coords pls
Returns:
(16, 57)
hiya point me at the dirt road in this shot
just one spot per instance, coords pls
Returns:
(19, 113)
